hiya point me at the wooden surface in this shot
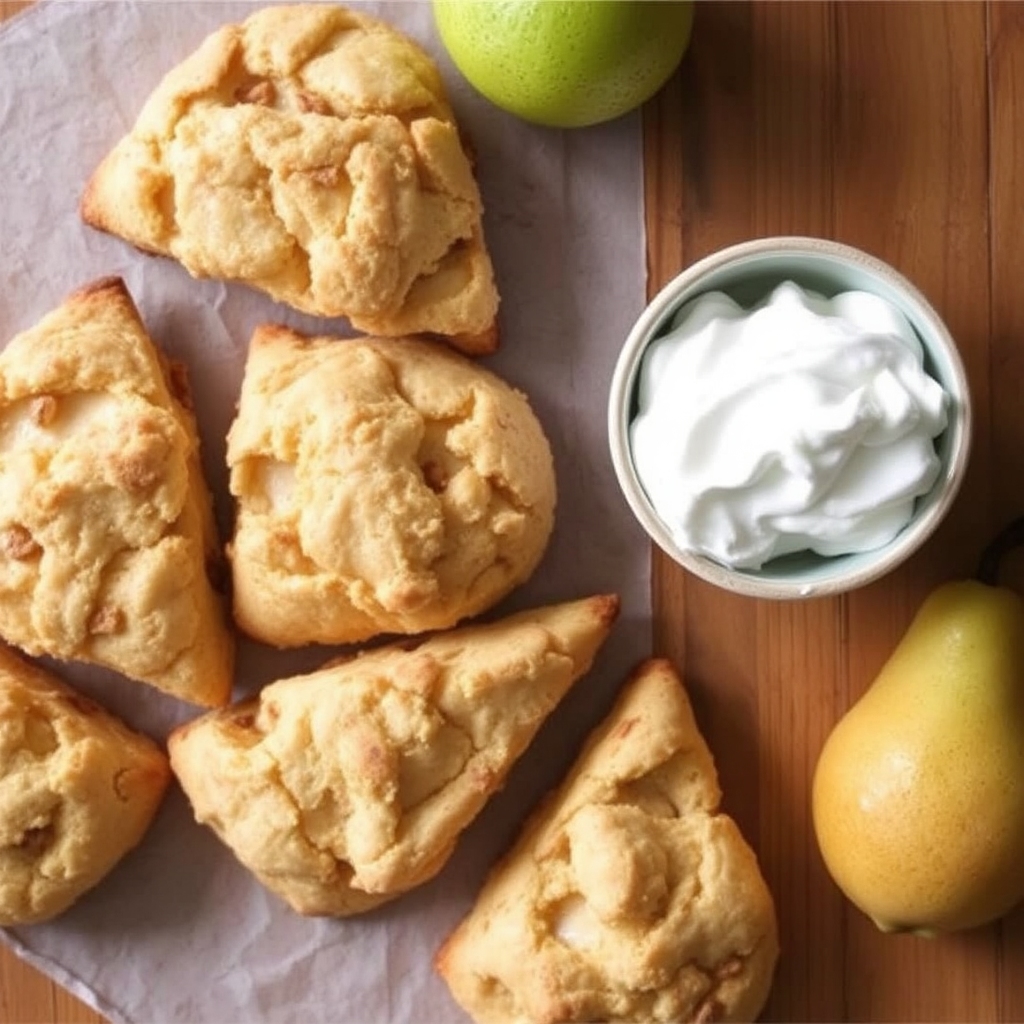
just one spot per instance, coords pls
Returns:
(899, 128)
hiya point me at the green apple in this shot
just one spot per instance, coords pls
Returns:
(565, 63)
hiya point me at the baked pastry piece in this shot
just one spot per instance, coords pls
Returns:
(311, 152)
(629, 896)
(106, 525)
(349, 786)
(383, 486)
(78, 790)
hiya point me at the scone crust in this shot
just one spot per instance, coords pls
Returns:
(382, 486)
(78, 790)
(106, 523)
(629, 896)
(346, 787)
(310, 152)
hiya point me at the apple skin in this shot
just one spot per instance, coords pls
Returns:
(566, 63)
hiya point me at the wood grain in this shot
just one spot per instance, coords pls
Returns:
(1005, 355)
(895, 127)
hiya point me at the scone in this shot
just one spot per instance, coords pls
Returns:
(106, 524)
(382, 486)
(629, 896)
(349, 786)
(310, 152)
(78, 790)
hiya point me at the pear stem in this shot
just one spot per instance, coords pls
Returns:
(1011, 536)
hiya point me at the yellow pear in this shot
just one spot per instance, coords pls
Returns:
(918, 795)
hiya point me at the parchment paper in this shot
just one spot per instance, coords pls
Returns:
(179, 931)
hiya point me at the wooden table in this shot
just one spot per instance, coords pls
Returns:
(899, 128)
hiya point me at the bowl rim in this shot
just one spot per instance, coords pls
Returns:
(924, 318)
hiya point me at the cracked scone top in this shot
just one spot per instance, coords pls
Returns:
(106, 524)
(349, 786)
(78, 790)
(629, 896)
(382, 486)
(310, 152)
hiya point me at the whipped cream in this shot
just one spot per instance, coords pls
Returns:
(804, 423)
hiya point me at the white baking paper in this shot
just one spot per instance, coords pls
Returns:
(179, 931)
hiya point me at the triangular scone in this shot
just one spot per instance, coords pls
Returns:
(629, 896)
(106, 524)
(310, 152)
(78, 790)
(349, 786)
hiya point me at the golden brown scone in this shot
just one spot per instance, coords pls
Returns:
(629, 896)
(383, 486)
(349, 786)
(106, 524)
(310, 152)
(78, 790)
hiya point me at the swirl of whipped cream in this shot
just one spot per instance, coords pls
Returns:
(804, 423)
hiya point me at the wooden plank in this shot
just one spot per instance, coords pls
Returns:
(25, 995)
(28, 997)
(895, 127)
(752, 108)
(911, 167)
(1006, 355)
(867, 123)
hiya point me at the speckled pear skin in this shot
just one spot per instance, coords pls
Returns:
(918, 793)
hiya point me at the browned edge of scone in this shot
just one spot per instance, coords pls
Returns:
(658, 680)
(91, 213)
(178, 381)
(110, 293)
(112, 288)
(483, 343)
(104, 213)
(576, 630)
(134, 792)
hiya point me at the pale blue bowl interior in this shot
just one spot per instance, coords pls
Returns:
(751, 278)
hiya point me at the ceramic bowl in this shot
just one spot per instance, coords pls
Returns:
(748, 272)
